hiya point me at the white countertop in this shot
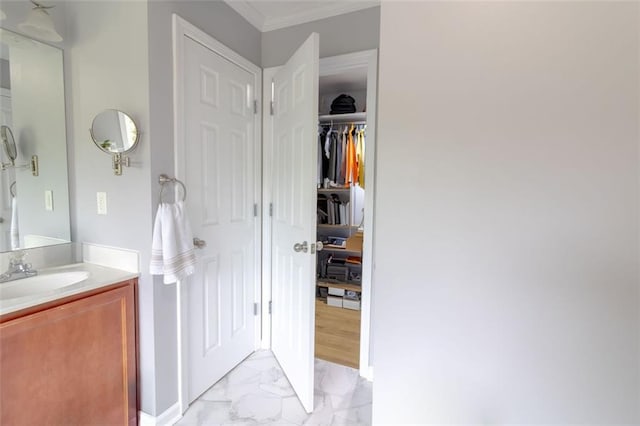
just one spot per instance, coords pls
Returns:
(99, 276)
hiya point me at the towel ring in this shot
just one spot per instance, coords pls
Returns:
(12, 189)
(163, 179)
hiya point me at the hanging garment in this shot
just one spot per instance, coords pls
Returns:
(343, 159)
(320, 177)
(360, 157)
(350, 163)
(333, 169)
(324, 158)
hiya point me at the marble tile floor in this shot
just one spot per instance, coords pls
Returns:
(257, 392)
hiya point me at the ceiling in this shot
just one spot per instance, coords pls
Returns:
(267, 15)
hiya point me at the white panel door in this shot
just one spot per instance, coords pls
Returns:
(219, 150)
(294, 217)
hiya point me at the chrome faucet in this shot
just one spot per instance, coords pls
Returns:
(17, 268)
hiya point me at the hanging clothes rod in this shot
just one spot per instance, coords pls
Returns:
(164, 179)
(342, 123)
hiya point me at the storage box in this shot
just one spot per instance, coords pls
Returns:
(354, 242)
(336, 291)
(334, 301)
(351, 304)
(337, 272)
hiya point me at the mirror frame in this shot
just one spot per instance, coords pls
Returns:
(95, 141)
(7, 138)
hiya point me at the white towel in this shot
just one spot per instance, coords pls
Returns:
(13, 229)
(172, 253)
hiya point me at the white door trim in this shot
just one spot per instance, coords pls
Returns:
(335, 65)
(328, 66)
(332, 65)
(182, 29)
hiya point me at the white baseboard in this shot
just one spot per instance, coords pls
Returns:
(168, 418)
(367, 373)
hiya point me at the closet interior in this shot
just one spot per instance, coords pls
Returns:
(342, 139)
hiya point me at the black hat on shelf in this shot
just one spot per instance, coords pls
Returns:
(343, 104)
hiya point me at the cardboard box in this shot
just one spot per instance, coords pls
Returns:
(334, 301)
(354, 242)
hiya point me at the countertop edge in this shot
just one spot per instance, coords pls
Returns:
(99, 276)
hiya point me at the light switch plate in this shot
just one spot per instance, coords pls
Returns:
(48, 200)
(102, 202)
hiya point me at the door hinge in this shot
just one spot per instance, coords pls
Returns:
(273, 107)
(255, 106)
(255, 309)
(255, 210)
(270, 307)
(271, 209)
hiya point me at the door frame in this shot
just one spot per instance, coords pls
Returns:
(330, 65)
(181, 28)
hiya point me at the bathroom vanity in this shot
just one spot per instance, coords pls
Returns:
(68, 356)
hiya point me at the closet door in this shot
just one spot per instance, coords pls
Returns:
(295, 118)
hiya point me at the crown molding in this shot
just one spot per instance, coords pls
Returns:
(248, 12)
(264, 24)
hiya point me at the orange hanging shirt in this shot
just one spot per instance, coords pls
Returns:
(360, 157)
(351, 176)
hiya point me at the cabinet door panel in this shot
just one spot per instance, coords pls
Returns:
(71, 364)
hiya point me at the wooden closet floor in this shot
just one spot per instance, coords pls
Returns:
(337, 334)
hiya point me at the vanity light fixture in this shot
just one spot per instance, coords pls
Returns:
(39, 24)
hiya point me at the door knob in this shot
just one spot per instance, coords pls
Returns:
(318, 246)
(199, 244)
(304, 247)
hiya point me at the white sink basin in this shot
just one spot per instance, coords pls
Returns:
(40, 284)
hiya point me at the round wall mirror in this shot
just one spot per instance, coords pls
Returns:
(114, 132)
(9, 144)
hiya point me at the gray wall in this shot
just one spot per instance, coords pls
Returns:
(514, 130)
(107, 67)
(224, 24)
(341, 34)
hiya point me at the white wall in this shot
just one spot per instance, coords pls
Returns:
(507, 221)
(351, 32)
(107, 67)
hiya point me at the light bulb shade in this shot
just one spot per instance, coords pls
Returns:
(40, 25)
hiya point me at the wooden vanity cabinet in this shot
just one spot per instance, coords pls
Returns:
(72, 361)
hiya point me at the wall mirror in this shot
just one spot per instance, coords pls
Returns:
(34, 208)
(115, 133)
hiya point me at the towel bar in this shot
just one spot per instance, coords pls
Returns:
(163, 179)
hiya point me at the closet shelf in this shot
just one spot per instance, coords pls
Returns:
(340, 250)
(344, 286)
(343, 118)
(332, 190)
(328, 226)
